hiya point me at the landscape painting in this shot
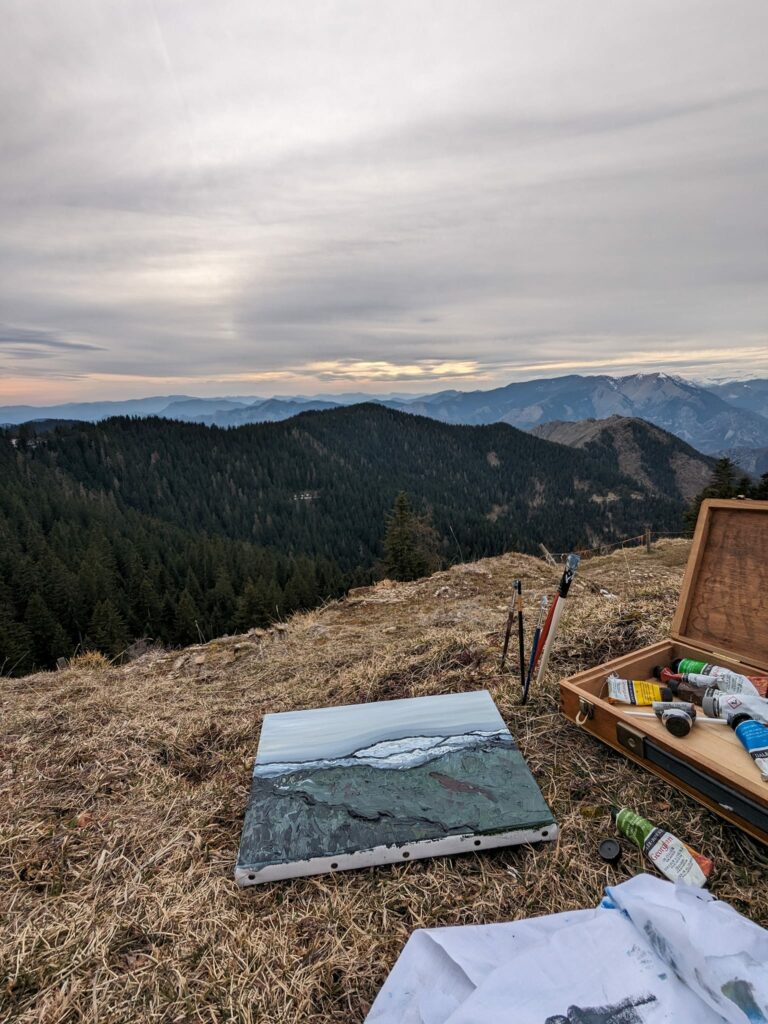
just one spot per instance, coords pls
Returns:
(343, 787)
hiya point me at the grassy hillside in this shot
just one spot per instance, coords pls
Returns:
(124, 791)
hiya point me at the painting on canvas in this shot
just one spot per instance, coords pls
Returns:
(344, 787)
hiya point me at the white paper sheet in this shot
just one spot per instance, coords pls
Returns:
(665, 955)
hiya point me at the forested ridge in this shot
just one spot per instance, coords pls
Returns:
(147, 527)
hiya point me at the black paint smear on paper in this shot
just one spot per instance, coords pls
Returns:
(624, 1012)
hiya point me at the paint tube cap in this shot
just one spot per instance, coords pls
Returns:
(677, 721)
(610, 851)
(657, 670)
(675, 664)
(708, 703)
(735, 718)
(666, 693)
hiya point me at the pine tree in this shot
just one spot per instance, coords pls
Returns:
(722, 485)
(16, 648)
(253, 607)
(760, 490)
(148, 608)
(186, 624)
(48, 639)
(222, 604)
(301, 586)
(107, 632)
(410, 543)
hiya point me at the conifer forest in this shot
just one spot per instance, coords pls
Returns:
(179, 532)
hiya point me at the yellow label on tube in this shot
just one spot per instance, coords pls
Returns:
(633, 691)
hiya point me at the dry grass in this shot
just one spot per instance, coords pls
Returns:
(123, 792)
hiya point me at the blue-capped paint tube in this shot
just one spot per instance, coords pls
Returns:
(754, 739)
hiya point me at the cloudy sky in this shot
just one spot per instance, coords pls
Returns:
(250, 197)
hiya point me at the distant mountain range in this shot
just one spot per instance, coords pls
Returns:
(693, 413)
(752, 460)
(744, 394)
(713, 418)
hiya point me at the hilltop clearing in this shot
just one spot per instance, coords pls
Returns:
(124, 789)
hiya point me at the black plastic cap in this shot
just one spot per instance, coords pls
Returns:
(657, 670)
(666, 693)
(679, 725)
(615, 813)
(610, 851)
(735, 718)
(675, 664)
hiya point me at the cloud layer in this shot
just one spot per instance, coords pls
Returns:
(430, 192)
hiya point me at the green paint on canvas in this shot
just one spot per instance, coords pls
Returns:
(485, 788)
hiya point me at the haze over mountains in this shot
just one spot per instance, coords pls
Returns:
(712, 418)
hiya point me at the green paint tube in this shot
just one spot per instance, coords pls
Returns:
(702, 672)
(666, 852)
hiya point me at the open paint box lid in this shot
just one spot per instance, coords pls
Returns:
(724, 594)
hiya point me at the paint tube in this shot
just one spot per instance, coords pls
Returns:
(677, 717)
(723, 678)
(754, 739)
(729, 682)
(666, 852)
(720, 705)
(685, 690)
(641, 692)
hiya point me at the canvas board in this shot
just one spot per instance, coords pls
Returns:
(351, 786)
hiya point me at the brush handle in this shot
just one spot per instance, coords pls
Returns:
(551, 637)
(545, 630)
(536, 635)
(507, 635)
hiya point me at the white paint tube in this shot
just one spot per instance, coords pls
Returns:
(717, 704)
(728, 682)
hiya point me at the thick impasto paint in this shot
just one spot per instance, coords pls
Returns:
(343, 787)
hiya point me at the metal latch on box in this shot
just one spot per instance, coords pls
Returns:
(630, 738)
(586, 711)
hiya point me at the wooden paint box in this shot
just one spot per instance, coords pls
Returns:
(721, 617)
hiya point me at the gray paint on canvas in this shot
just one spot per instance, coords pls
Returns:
(338, 731)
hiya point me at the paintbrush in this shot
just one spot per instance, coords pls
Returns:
(521, 633)
(534, 647)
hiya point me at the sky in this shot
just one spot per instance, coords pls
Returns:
(257, 198)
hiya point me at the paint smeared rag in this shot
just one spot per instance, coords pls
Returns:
(652, 953)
